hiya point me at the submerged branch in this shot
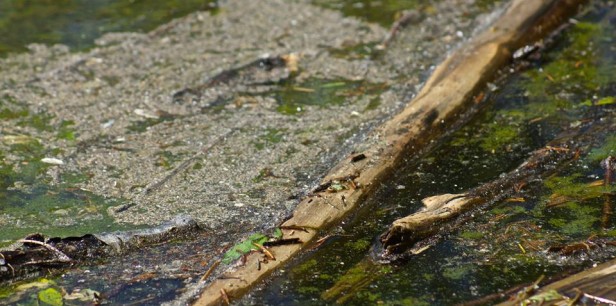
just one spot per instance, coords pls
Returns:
(406, 232)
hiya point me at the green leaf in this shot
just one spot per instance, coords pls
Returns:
(277, 233)
(50, 296)
(244, 247)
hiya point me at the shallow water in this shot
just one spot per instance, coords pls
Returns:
(77, 23)
(505, 244)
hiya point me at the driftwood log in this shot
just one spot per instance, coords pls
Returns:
(447, 94)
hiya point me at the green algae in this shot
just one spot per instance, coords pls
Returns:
(607, 149)
(293, 97)
(66, 130)
(77, 23)
(548, 96)
(381, 12)
(457, 272)
(32, 199)
(471, 235)
(270, 137)
(505, 247)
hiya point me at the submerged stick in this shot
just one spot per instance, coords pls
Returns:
(448, 93)
(406, 232)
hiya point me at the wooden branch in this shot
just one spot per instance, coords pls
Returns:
(406, 232)
(447, 94)
(597, 284)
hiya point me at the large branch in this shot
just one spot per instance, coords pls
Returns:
(447, 94)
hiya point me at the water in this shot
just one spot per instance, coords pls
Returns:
(505, 244)
(77, 23)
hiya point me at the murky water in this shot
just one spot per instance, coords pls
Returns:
(568, 85)
(77, 23)
(505, 244)
(58, 207)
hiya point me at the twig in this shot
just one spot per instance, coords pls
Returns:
(600, 299)
(61, 256)
(181, 167)
(209, 271)
(265, 251)
(224, 296)
(282, 242)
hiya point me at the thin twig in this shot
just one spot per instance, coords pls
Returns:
(61, 256)
(265, 251)
(600, 299)
(210, 270)
(181, 167)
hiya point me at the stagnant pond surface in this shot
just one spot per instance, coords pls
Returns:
(506, 243)
(77, 23)
(569, 85)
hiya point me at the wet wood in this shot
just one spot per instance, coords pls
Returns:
(448, 93)
(406, 232)
(599, 281)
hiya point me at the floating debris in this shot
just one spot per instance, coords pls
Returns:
(53, 161)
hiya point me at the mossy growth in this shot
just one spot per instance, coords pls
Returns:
(573, 206)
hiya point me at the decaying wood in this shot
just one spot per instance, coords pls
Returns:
(446, 94)
(406, 232)
(37, 254)
(597, 285)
